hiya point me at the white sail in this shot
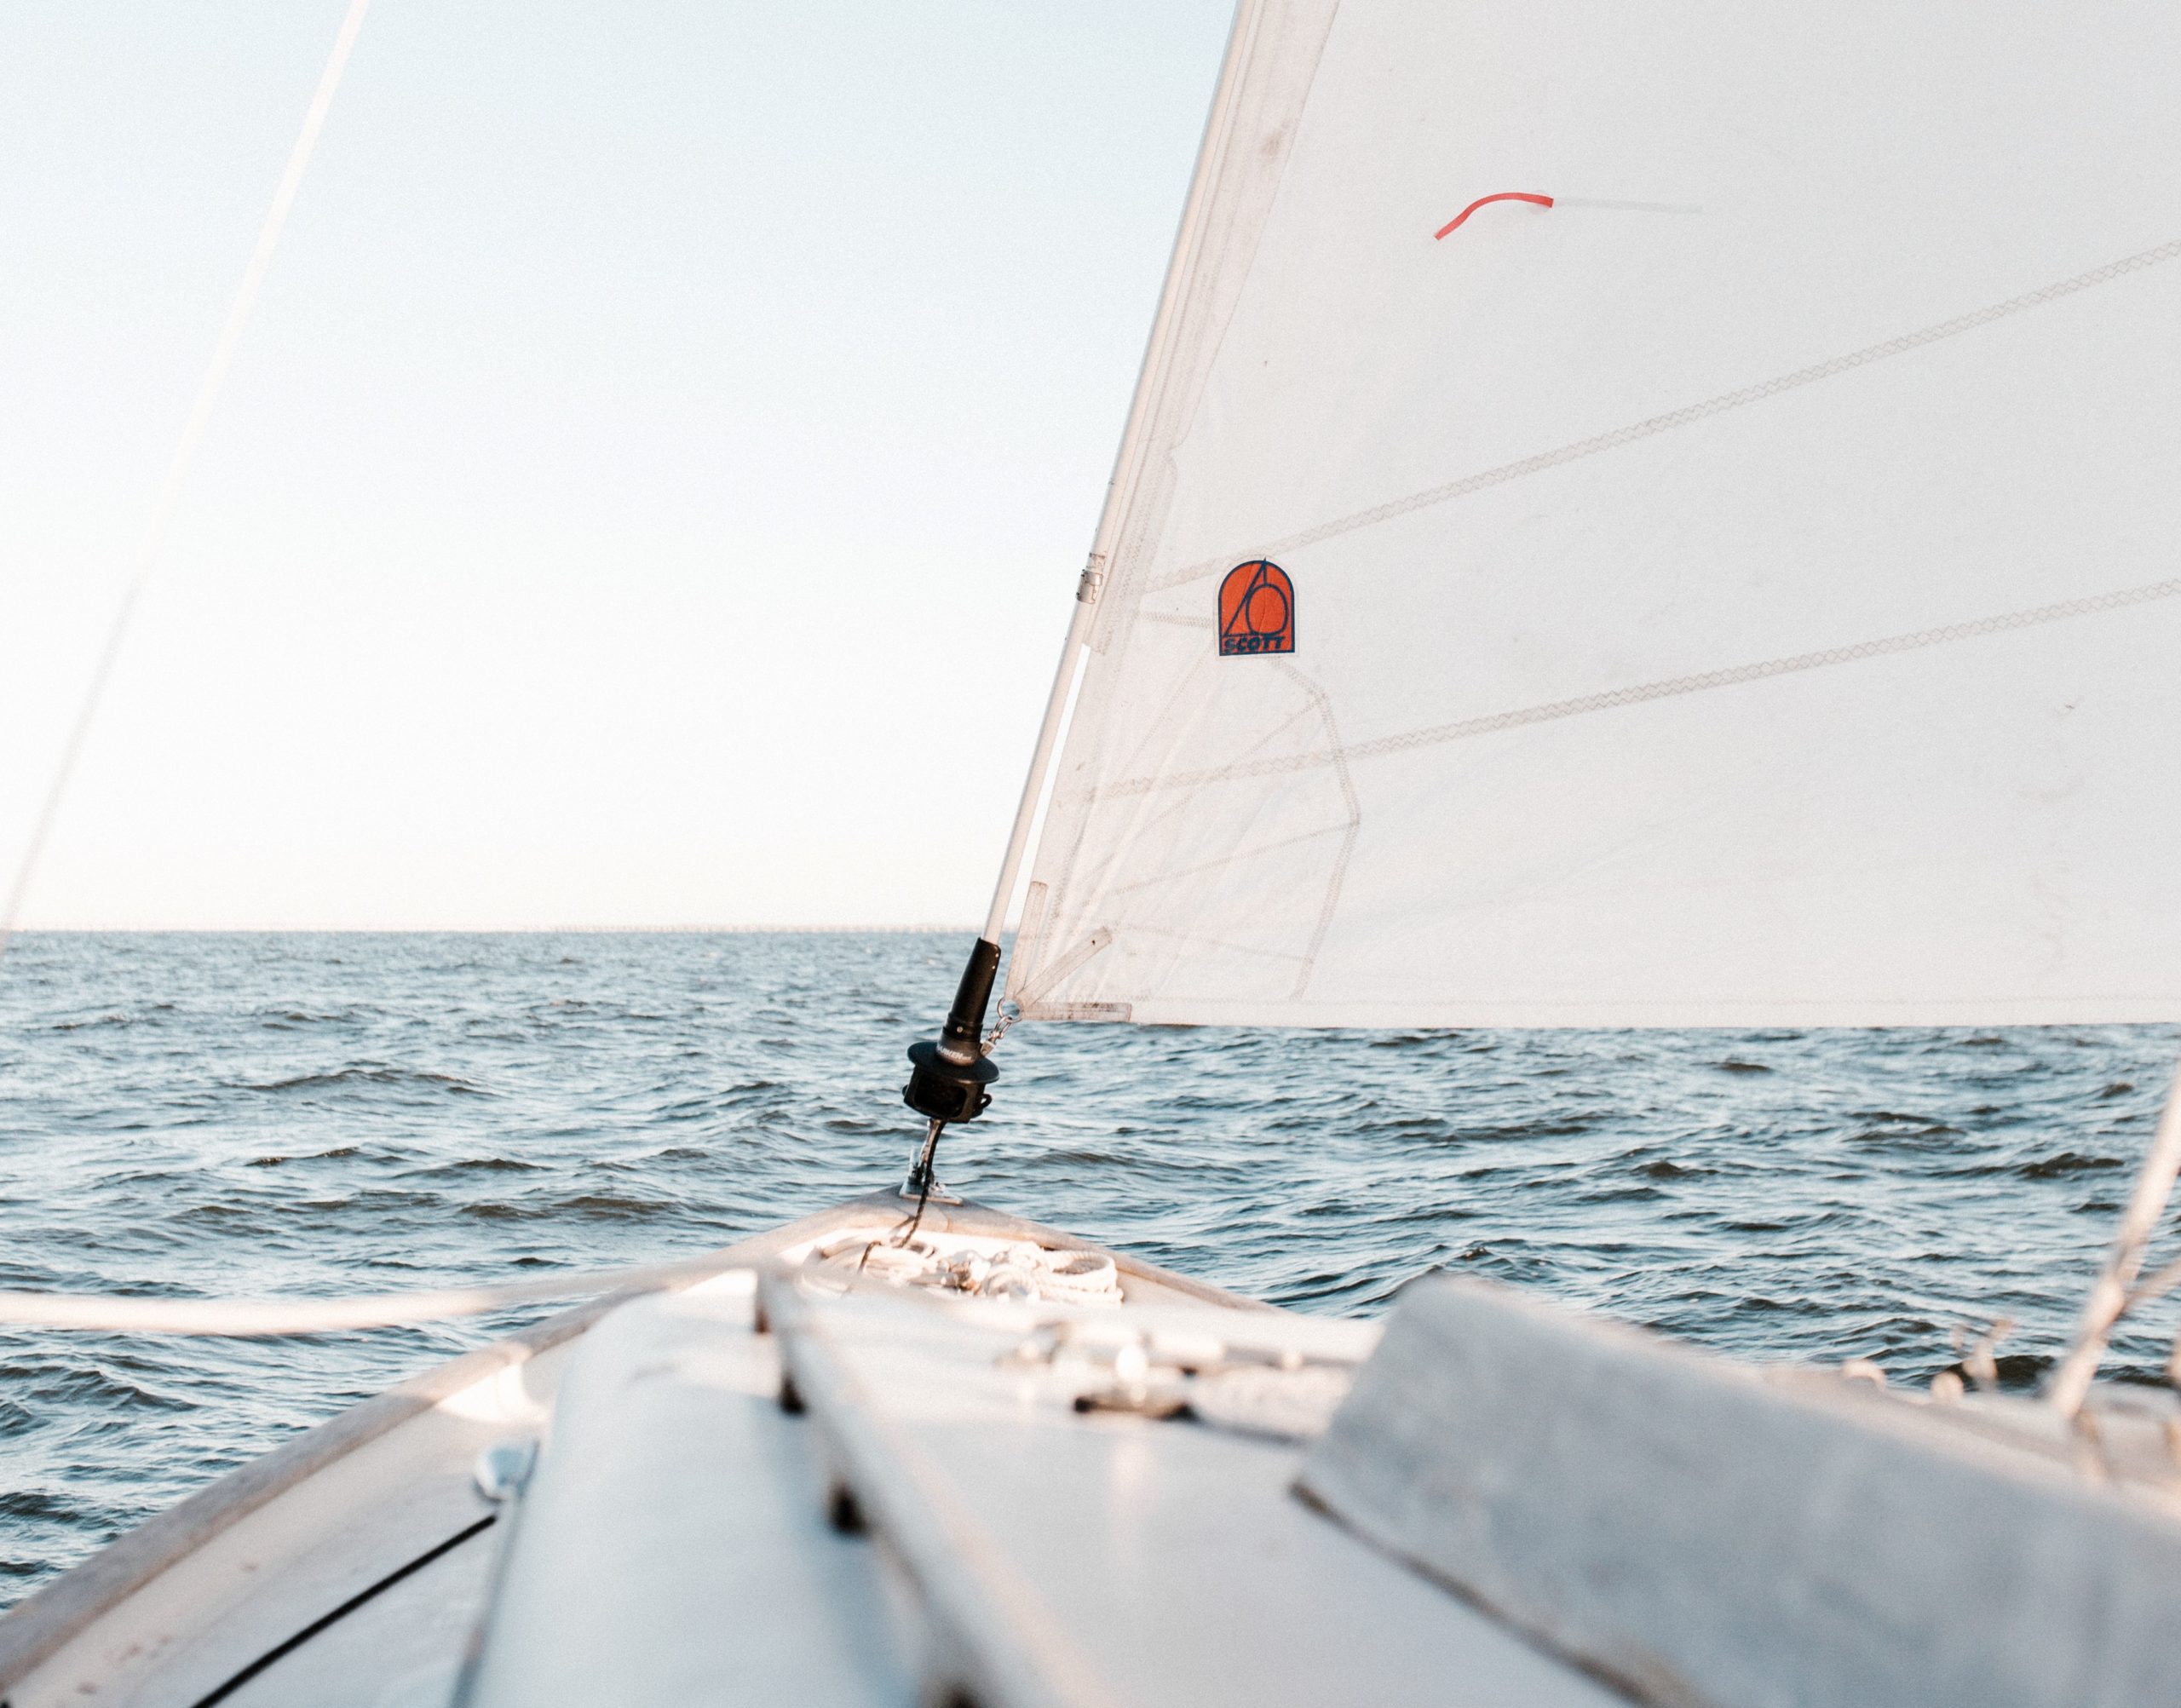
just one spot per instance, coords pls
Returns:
(1745, 591)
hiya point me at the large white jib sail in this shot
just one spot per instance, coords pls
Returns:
(1746, 590)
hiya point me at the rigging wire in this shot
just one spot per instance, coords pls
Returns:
(2116, 1291)
(153, 542)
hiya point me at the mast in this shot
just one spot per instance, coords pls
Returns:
(948, 1081)
(949, 1076)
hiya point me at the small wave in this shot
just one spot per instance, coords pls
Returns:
(31, 1503)
(1567, 1127)
(1788, 1307)
(1663, 1170)
(2066, 1162)
(295, 1020)
(1350, 1292)
(110, 1018)
(1734, 1064)
(1908, 1132)
(611, 1206)
(338, 1154)
(467, 1165)
(1380, 1124)
(372, 1076)
(218, 1214)
(1894, 1118)
(377, 1200)
(88, 1384)
(489, 1211)
(1082, 1157)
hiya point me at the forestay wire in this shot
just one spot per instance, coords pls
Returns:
(247, 1317)
(154, 543)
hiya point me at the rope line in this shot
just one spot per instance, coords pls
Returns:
(1669, 687)
(241, 1318)
(178, 467)
(1679, 417)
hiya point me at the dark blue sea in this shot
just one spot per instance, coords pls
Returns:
(265, 1115)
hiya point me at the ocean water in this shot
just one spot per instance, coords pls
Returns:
(263, 1115)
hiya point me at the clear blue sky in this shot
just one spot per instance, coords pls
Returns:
(661, 425)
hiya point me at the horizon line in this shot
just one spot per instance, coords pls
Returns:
(684, 930)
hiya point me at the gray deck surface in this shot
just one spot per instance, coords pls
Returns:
(673, 1547)
(1073, 1559)
(1716, 1532)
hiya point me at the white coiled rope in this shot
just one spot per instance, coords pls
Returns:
(981, 1266)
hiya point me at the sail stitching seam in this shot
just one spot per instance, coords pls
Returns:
(1224, 861)
(1614, 698)
(1198, 939)
(1680, 418)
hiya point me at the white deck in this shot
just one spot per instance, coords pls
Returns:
(1015, 1551)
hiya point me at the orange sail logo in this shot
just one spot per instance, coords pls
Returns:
(1257, 610)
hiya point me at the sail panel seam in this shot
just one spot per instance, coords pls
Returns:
(1614, 699)
(1684, 416)
(1224, 861)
